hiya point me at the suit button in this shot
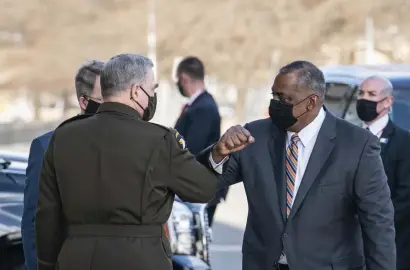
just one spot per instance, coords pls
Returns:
(285, 235)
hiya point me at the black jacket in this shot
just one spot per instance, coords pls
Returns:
(395, 152)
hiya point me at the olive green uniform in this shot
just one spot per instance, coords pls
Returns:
(106, 188)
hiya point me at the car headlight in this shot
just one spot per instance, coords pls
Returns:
(180, 229)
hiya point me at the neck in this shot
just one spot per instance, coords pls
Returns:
(198, 87)
(126, 101)
(381, 115)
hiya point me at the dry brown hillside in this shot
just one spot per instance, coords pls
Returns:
(43, 42)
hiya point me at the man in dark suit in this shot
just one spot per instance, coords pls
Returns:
(108, 180)
(87, 84)
(373, 106)
(199, 122)
(317, 192)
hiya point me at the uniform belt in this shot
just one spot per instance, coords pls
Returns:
(94, 230)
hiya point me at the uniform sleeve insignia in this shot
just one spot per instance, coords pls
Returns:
(180, 140)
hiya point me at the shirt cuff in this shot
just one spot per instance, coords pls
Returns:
(218, 167)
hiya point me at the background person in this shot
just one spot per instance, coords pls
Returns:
(373, 106)
(199, 122)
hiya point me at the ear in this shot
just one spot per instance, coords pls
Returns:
(312, 102)
(388, 102)
(83, 102)
(134, 92)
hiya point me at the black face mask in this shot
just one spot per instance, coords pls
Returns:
(92, 106)
(366, 110)
(149, 111)
(181, 89)
(281, 113)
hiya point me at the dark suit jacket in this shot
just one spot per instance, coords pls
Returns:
(342, 217)
(395, 153)
(200, 125)
(35, 160)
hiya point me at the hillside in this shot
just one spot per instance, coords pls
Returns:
(42, 43)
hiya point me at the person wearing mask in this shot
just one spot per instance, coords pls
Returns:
(87, 85)
(108, 180)
(317, 192)
(374, 103)
(199, 122)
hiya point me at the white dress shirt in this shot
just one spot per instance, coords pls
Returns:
(194, 97)
(378, 126)
(307, 141)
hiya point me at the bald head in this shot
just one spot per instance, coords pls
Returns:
(375, 98)
(377, 85)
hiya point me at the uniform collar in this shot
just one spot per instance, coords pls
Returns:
(120, 108)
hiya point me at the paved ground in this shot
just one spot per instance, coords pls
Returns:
(228, 231)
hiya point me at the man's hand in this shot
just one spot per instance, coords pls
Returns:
(235, 139)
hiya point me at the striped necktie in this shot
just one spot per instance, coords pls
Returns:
(291, 168)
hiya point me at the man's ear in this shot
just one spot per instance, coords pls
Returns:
(388, 102)
(134, 91)
(83, 102)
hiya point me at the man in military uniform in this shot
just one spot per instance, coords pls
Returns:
(108, 181)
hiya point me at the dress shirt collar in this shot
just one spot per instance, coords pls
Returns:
(194, 97)
(377, 126)
(309, 132)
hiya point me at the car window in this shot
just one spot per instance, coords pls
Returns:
(401, 108)
(12, 182)
(337, 97)
(400, 114)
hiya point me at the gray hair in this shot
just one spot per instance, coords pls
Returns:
(85, 77)
(309, 76)
(387, 87)
(122, 71)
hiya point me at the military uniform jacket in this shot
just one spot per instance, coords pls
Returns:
(106, 188)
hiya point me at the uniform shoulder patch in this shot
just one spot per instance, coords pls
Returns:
(179, 138)
(75, 118)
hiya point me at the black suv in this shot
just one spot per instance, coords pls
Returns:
(343, 84)
(12, 181)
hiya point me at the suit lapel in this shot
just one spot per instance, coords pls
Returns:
(323, 147)
(277, 146)
(387, 134)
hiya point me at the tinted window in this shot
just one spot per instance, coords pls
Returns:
(12, 182)
(337, 98)
(401, 108)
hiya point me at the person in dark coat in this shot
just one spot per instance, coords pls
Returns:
(199, 122)
(373, 106)
(87, 85)
(317, 192)
(108, 181)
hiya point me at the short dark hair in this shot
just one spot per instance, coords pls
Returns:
(193, 67)
(85, 77)
(309, 76)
